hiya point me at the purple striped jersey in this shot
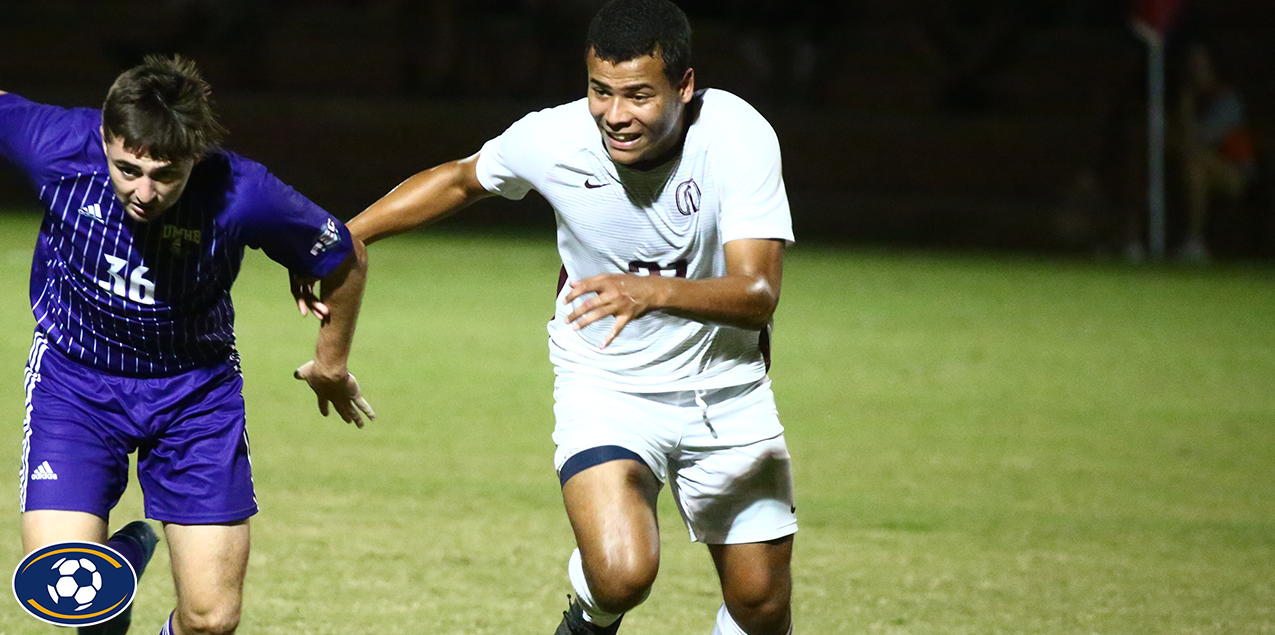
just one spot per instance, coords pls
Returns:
(150, 299)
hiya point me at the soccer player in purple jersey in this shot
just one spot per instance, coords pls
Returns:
(145, 224)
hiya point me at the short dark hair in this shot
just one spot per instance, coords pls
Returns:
(164, 107)
(624, 30)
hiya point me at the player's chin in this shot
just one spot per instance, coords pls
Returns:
(625, 156)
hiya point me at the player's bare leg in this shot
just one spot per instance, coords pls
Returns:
(612, 511)
(135, 541)
(209, 563)
(756, 587)
(46, 526)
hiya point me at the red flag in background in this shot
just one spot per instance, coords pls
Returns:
(1156, 17)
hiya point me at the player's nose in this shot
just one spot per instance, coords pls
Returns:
(145, 191)
(617, 116)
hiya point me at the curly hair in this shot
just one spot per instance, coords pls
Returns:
(624, 30)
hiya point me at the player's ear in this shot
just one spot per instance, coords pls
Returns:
(686, 89)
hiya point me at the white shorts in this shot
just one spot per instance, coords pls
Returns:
(724, 450)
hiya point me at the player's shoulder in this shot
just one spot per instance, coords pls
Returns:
(730, 131)
(222, 172)
(236, 186)
(721, 112)
(56, 134)
(69, 121)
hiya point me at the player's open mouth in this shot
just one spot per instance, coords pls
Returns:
(623, 141)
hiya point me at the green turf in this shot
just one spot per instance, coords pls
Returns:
(982, 445)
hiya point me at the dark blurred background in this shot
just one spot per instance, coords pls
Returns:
(995, 124)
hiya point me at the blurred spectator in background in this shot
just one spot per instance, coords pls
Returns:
(1218, 154)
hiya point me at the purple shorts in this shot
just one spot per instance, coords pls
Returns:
(188, 431)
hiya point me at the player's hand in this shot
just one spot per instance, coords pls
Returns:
(623, 296)
(307, 301)
(341, 390)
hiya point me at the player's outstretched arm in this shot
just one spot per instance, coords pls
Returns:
(746, 297)
(327, 374)
(424, 198)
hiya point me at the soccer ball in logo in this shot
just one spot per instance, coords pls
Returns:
(80, 580)
(88, 584)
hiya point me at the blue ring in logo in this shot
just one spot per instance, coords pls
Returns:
(74, 583)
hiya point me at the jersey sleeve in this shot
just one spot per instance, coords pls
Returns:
(510, 164)
(33, 136)
(747, 164)
(289, 228)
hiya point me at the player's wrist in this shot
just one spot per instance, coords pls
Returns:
(664, 294)
(330, 369)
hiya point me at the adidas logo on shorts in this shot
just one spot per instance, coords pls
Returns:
(44, 473)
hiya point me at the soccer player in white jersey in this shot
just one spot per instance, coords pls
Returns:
(672, 222)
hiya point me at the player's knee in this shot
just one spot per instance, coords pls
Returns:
(621, 587)
(209, 621)
(761, 609)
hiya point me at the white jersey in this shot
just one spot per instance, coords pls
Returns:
(672, 220)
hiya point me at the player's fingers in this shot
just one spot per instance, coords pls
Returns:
(346, 411)
(356, 401)
(323, 406)
(319, 309)
(575, 292)
(356, 397)
(620, 321)
(588, 318)
(596, 284)
(354, 417)
(596, 304)
(579, 311)
(362, 404)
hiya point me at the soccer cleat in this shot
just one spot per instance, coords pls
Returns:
(139, 533)
(573, 622)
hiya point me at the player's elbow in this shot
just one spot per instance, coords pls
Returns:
(358, 255)
(763, 300)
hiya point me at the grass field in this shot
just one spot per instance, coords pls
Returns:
(982, 445)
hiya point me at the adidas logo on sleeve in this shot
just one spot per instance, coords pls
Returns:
(44, 473)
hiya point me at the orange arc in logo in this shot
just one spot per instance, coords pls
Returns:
(72, 617)
(75, 550)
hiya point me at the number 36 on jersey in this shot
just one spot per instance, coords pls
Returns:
(128, 284)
